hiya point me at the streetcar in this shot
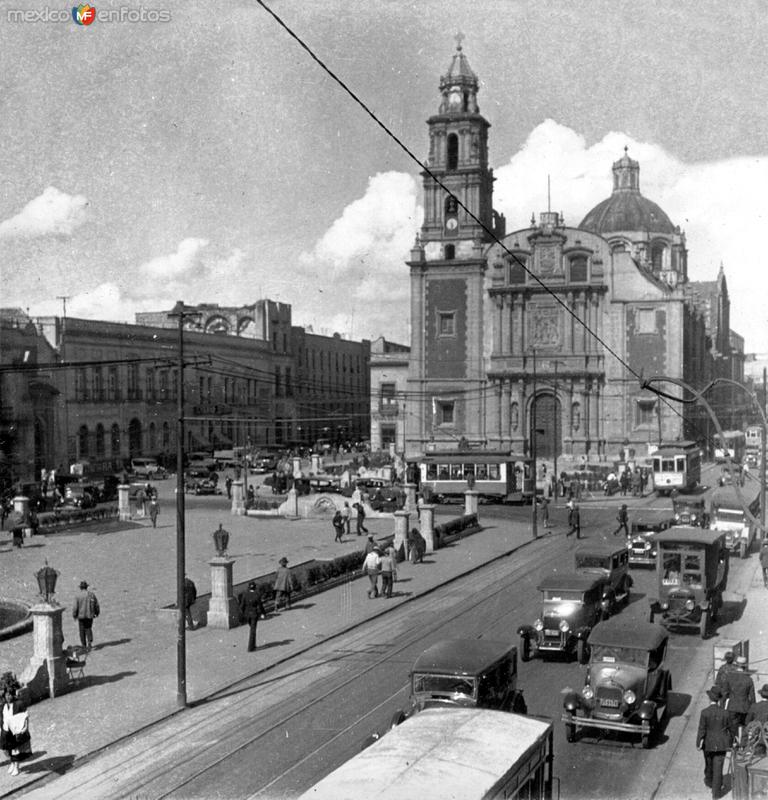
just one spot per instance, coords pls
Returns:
(498, 476)
(676, 466)
(471, 753)
(732, 444)
(753, 436)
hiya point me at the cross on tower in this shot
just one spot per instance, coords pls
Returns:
(459, 37)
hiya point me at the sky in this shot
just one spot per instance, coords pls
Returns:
(206, 157)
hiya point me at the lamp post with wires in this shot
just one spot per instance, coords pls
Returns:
(181, 312)
(555, 364)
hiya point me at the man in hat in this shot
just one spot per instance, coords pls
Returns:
(283, 585)
(622, 519)
(574, 520)
(85, 609)
(726, 667)
(714, 738)
(739, 692)
(759, 711)
(370, 544)
(252, 610)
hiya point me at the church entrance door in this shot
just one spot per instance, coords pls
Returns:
(549, 433)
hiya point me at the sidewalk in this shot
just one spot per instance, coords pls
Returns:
(133, 664)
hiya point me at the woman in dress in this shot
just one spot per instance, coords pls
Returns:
(14, 730)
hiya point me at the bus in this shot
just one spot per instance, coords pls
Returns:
(727, 515)
(471, 753)
(732, 444)
(496, 475)
(676, 465)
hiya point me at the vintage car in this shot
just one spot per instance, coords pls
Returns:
(147, 468)
(465, 672)
(572, 604)
(198, 481)
(325, 483)
(692, 573)
(626, 686)
(82, 495)
(643, 526)
(734, 512)
(264, 462)
(610, 560)
(690, 510)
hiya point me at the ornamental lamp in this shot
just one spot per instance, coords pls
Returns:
(46, 581)
(221, 541)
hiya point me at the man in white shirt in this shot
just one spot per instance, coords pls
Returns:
(372, 567)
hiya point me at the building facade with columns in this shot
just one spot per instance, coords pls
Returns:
(553, 323)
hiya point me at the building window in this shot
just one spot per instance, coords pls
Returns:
(166, 436)
(514, 416)
(579, 270)
(450, 252)
(150, 384)
(645, 411)
(164, 385)
(645, 320)
(133, 381)
(100, 449)
(98, 384)
(80, 392)
(517, 270)
(278, 386)
(445, 412)
(114, 441)
(82, 442)
(112, 390)
(453, 151)
(152, 437)
(657, 256)
(446, 323)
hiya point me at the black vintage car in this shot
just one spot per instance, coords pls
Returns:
(643, 527)
(626, 687)
(690, 510)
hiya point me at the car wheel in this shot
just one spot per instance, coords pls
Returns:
(647, 739)
(704, 624)
(570, 732)
(582, 652)
(397, 719)
(525, 648)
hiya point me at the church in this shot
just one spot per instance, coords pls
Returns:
(549, 331)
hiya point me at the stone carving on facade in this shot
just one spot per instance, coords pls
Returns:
(514, 416)
(548, 260)
(545, 327)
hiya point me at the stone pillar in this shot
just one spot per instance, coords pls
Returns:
(410, 496)
(315, 467)
(291, 505)
(427, 526)
(46, 673)
(296, 461)
(386, 472)
(123, 502)
(223, 610)
(470, 501)
(401, 531)
(238, 498)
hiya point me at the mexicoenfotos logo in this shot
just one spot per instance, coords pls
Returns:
(83, 14)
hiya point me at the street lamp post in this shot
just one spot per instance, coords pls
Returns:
(554, 426)
(181, 312)
(534, 519)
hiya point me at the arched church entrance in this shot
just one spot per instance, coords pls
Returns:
(549, 432)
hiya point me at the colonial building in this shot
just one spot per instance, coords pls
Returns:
(549, 330)
(389, 404)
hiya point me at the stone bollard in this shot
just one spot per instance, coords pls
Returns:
(427, 526)
(46, 673)
(123, 502)
(470, 501)
(401, 532)
(291, 504)
(296, 461)
(316, 466)
(223, 609)
(238, 498)
(410, 496)
(21, 506)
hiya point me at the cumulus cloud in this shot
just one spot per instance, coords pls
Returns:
(184, 262)
(53, 213)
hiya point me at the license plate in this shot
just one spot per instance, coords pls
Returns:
(609, 703)
(551, 632)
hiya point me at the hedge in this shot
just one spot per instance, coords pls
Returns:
(64, 517)
(455, 526)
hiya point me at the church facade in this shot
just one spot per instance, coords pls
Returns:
(548, 331)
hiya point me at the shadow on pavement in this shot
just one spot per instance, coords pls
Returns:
(678, 704)
(732, 610)
(97, 680)
(278, 643)
(57, 764)
(114, 643)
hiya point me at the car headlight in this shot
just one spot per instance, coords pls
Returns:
(690, 605)
(677, 518)
(629, 697)
(693, 518)
(664, 606)
(587, 693)
(564, 627)
(539, 625)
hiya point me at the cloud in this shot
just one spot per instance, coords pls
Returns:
(53, 213)
(174, 266)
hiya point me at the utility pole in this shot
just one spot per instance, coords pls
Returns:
(63, 357)
(762, 452)
(534, 518)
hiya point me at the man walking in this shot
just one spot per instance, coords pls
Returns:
(190, 595)
(346, 517)
(764, 562)
(544, 507)
(740, 694)
(154, 510)
(622, 519)
(360, 518)
(714, 739)
(252, 610)
(372, 567)
(387, 567)
(283, 585)
(85, 609)
(574, 520)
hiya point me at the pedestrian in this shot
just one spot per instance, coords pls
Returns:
(386, 568)
(764, 562)
(714, 739)
(417, 546)
(739, 693)
(141, 498)
(637, 490)
(361, 529)
(544, 508)
(574, 521)
(622, 519)
(252, 610)
(228, 487)
(726, 667)
(154, 510)
(372, 567)
(251, 496)
(393, 555)
(283, 585)
(758, 711)
(190, 595)
(149, 493)
(14, 725)
(346, 517)
(85, 609)
(624, 483)
(17, 531)
(338, 526)
(370, 544)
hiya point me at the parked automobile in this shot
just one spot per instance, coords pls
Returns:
(147, 468)
(690, 510)
(82, 495)
(325, 483)
(627, 684)
(643, 526)
(609, 560)
(383, 495)
(692, 573)
(207, 484)
(263, 462)
(572, 604)
(464, 672)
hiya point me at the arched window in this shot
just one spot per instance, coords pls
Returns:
(82, 441)
(152, 437)
(579, 269)
(575, 416)
(453, 151)
(100, 450)
(450, 252)
(517, 270)
(114, 440)
(166, 436)
(657, 256)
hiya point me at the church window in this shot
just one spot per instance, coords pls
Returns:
(453, 151)
(657, 256)
(645, 409)
(645, 320)
(579, 269)
(100, 447)
(450, 252)
(575, 416)
(517, 270)
(446, 323)
(82, 441)
(445, 412)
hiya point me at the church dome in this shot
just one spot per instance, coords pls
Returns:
(626, 209)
